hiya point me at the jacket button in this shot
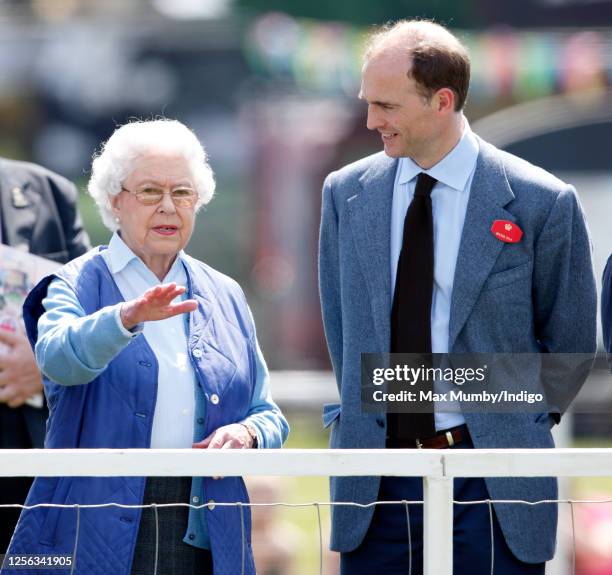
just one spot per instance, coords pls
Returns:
(211, 504)
(197, 353)
(214, 399)
(191, 536)
(200, 420)
(195, 499)
(380, 421)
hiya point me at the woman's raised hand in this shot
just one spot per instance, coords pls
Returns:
(155, 304)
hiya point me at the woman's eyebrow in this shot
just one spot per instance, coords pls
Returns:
(153, 182)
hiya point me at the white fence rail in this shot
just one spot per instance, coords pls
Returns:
(437, 467)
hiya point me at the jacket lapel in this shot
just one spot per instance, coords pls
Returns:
(479, 249)
(19, 206)
(370, 214)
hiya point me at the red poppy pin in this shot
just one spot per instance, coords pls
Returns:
(506, 231)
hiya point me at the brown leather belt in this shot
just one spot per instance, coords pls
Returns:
(442, 440)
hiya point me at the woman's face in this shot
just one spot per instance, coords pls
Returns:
(159, 231)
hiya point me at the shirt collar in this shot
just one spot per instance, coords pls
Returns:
(119, 255)
(454, 169)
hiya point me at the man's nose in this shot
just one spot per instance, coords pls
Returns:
(374, 121)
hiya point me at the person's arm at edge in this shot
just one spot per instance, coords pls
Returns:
(565, 322)
(606, 308)
(329, 278)
(66, 196)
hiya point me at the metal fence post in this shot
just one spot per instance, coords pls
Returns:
(438, 525)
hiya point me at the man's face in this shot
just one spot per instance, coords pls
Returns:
(407, 122)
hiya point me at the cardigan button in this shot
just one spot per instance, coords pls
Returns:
(197, 353)
(214, 399)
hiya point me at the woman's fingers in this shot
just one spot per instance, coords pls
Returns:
(165, 292)
(226, 437)
(232, 436)
(213, 441)
(156, 303)
(186, 306)
(204, 443)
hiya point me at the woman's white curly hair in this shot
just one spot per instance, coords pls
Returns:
(113, 163)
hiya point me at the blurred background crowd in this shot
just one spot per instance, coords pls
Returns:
(269, 86)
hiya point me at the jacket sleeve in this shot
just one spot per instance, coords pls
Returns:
(74, 348)
(66, 198)
(329, 278)
(565, 299)
(264, 415)
(606, 306)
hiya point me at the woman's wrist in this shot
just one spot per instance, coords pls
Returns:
(127, 316)
(252, 434)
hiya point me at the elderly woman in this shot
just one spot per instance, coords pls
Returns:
(144, 346)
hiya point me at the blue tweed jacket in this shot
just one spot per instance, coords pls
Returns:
(537, 295)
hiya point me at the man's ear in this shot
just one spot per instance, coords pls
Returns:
(445, 100)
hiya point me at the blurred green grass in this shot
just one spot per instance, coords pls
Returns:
(583, 487)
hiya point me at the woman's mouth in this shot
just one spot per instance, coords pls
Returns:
(165, 230)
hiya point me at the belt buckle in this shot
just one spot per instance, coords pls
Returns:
(419, 444)
(450, 439)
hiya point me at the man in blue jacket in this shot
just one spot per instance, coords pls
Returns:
(444, 243)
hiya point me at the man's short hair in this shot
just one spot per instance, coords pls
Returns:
(436, 58)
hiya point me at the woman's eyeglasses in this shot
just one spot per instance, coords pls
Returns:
(181, 197)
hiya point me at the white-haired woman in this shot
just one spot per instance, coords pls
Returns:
(143, 346)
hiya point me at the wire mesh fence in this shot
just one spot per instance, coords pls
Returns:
(9, 563)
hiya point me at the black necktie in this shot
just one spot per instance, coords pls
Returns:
(411, 313)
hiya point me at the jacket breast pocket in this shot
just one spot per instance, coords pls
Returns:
(507, 277)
